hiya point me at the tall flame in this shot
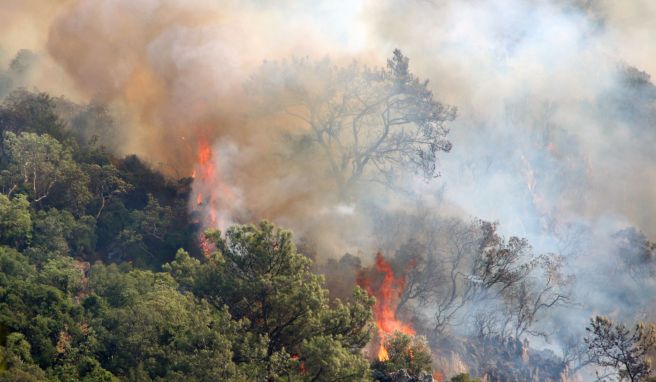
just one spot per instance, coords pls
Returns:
(207, 175)
(387, 290)
(214, 197)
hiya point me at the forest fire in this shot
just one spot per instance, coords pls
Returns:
(382, 283)
(205, 199)
(214, 195)
(206, 174)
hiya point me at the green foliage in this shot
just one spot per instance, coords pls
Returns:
(405, 352)
(32, 304)
(464, 377)
(253, 311)
(39, 165)
(61, 273)
(33, 113)
(326, 359)
(149, 327)
(15, 220)
(122, 210)
(105, 184)
(17, 361)
(13, 265)
(58, 233)
(257, 273)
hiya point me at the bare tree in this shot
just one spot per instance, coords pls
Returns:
(533, 295)
(575, 353)
(436, 262)
(467, 273)
(369, 124)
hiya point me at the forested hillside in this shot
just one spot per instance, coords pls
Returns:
(106, 275)
(324, 191)
(96, 283)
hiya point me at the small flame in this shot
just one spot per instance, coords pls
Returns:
(383, 355)
(387, 292)
(301, 365)
(539, 203)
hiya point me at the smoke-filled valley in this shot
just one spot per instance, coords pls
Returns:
(469, 189)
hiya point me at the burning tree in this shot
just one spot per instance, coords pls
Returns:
(369, 124)
(466, 273)
(407, 354)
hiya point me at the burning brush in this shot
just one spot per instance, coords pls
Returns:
(382, 283)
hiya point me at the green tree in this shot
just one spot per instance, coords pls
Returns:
(57, 232)
(147, 231)
(61, 273)
(154, 220)
(31, 112)
(257, 273)
(17, 362)
(15, 220)
(44, 314)
(105, 184)
(149, 328)
(39, 164)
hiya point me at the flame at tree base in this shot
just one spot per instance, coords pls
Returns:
(382, 283)
(383, 355)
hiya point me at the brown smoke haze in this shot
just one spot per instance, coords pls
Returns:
(175, 70)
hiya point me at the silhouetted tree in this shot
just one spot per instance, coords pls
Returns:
(624, 350)
(369, 124)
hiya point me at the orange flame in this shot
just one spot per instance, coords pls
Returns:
(387, 292)
(301, 365)
(212, 190)
(205, 173)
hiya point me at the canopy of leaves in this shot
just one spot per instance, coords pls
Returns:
(257, 273)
